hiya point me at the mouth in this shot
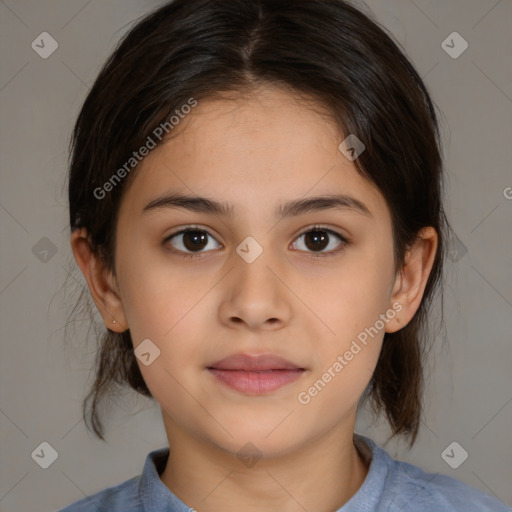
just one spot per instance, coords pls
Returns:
(255, 375)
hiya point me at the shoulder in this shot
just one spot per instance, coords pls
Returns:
(395, 486)
(134, 495)
(119, 498)
(413, 489)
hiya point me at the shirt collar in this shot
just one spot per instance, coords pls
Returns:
(155, 495)
(369, 495)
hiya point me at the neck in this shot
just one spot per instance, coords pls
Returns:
(321, 476)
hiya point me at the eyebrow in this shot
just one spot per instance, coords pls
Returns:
(289, 209)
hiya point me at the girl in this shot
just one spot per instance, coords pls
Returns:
(256, 205)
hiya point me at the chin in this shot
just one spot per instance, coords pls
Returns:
(254, 440)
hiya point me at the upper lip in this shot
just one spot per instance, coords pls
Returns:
(260, 362)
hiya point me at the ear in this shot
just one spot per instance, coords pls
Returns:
(410, 282)
(102, 283)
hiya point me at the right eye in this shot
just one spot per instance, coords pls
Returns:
(190, 242)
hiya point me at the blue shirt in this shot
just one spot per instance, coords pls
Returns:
(390, 486)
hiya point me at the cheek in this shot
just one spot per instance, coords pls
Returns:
(350, 304)
(170, 310)
(157, 297)
(346, 360)
(353, 297)
(334, 394)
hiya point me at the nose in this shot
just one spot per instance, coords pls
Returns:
(257, 295)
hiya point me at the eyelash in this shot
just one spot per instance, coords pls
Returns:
(344, 242)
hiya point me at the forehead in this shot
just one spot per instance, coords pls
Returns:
(254, 149)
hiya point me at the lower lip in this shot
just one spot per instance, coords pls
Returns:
(256, 383)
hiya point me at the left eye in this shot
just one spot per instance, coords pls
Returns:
(193, 241)
(317, 239)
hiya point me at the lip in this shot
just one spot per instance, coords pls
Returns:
(259, 362)
(255, 375)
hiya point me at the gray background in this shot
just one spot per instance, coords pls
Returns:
(44, 377)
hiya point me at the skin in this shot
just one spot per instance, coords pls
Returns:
(255, 152)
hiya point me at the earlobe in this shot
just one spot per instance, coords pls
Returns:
(100, 280)
(411, 280)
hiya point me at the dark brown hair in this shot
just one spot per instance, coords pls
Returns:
(325, 50)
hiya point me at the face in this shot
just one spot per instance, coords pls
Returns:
(303, 284)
